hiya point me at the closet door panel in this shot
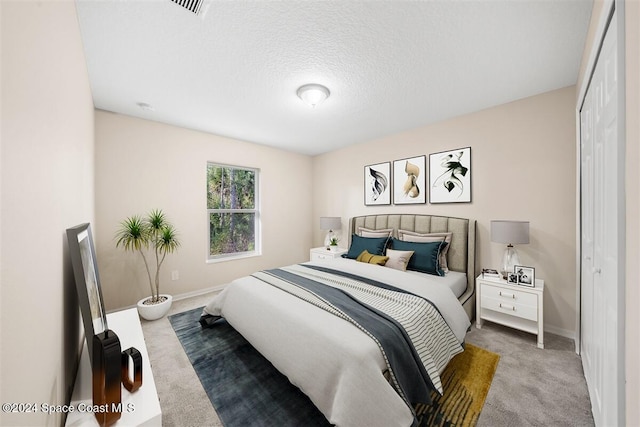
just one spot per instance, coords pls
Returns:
(601, 195)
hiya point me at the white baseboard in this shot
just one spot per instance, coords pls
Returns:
(179, 297)
(199, 292)
(559, 331)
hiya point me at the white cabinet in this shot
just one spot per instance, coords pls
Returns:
(322, 252)
(516, 306)
(140, 408)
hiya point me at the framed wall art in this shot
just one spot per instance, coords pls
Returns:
(377, 184)
(450, 176)
(85, 273)
(409, 182)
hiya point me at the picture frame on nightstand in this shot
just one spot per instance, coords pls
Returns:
(491, 273)
(525, 276)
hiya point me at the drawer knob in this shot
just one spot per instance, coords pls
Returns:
(507, 307)
(507, 294)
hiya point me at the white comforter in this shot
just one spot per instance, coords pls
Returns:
(333, 362)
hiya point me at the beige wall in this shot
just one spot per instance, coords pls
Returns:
(523, 168)
(47, 186)
(142, 165)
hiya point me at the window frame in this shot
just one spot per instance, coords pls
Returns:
(257, 251)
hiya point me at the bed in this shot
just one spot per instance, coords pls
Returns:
(461, 256)
(345, 368)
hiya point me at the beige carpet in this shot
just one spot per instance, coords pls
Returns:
(531, 386)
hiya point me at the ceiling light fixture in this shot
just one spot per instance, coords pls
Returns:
(313, 94)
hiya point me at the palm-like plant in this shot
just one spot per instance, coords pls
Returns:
(155, 232)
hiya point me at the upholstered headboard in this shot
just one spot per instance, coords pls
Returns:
(462, 252)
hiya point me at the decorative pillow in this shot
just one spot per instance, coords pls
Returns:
(412, 236)
(398, 259)
(365, 232)
(373, 245)
(365, 256)
(425, 257)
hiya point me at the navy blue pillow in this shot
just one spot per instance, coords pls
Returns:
(373, 245)
(425, 255)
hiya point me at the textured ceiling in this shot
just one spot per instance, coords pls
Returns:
(390, 65)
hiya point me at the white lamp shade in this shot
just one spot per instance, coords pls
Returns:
(510, 232)
(330, 223)
(313, 94)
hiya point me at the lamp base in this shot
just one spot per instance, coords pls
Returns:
(327, 239)
(509, 260)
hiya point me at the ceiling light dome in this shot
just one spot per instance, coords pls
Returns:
(313, 94)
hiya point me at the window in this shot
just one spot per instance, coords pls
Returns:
(232, 207)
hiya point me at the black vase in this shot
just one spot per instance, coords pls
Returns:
(107, 393)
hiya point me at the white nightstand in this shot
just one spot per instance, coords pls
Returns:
(316, 254)
(516, 306)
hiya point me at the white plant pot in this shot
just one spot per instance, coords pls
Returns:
(333, 248)
(154, 311)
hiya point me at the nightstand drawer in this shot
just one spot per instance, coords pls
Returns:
(509, 296)
(321, 253)
(510, 307)
(315, 256)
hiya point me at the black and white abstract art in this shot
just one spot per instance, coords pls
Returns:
(377, 184)
(450, 176)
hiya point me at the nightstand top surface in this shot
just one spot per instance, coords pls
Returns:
(489, 279)
(325, 249)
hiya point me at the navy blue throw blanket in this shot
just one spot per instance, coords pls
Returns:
(401, 355)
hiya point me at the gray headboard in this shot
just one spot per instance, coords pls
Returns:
(462, 252)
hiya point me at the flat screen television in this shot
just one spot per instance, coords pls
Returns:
(85, 272)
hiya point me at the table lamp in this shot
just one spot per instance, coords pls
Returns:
(510, 232)
(330, 223)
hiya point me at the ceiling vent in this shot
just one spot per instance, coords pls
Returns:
(194, 6)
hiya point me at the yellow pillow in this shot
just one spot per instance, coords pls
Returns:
(365, 256)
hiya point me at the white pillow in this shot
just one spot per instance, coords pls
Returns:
(398, 259)
(365, 232)
(412, 236)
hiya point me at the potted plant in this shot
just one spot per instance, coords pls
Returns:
(151, 233)
(333, 243)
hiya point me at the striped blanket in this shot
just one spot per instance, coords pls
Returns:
(412, 335)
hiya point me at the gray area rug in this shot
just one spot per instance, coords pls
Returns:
(244, 388)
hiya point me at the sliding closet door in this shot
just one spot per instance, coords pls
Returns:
(601, 198)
